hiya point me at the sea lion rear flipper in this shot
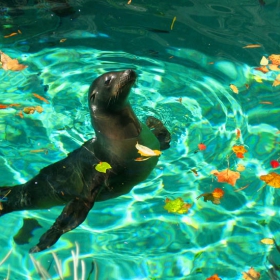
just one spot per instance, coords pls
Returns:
(73, 214)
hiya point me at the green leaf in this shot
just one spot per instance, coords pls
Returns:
(102, 167)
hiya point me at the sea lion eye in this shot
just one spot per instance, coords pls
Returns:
(108, 81)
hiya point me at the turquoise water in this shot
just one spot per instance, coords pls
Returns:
(183, 79)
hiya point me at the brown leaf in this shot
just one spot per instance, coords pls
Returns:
(10, 64)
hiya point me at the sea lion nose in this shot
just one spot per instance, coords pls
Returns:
(130, 73)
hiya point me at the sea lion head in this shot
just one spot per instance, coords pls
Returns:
(110, 110)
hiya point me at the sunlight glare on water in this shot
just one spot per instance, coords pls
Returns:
(133, 236)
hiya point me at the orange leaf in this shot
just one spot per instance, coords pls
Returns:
(238, 133)
(218, 193)
(10, 64)
(275, 59)
(201, 146)
(274, 67)
(214, 277)
(10, 35)
(239, 151)
(272, 179)
(252, 274)
(40, 97)
(262, 69)
(226, 176)
(2, 106)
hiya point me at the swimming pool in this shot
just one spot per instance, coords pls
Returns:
(196, 64)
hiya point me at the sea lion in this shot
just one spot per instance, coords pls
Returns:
(74, 181)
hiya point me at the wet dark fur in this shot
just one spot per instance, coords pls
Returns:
(74, 182)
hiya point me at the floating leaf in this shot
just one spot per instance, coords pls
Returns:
(214, 196)
(238, 133)
(214, 277)
(218, 193)
(41, 97)
(234, 88)
(275, 59)
(250, 46)
(102, 167)
(172, 24)
(239, 151)
(263, 69)
(33, 109)
(258, 79)
(10, 35)
(264, 61)
(266, 102)
(226, 176)
(147, 152)
(274, 163)
(201, 147)
(267, 241)
(10, 64)
(274, 67)
(176, 206)
(2, 106)
(240, 167)
(142, 158)
(276, 81)
(252, 274)
(272, 179)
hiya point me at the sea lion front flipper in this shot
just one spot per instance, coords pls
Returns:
(73, 214)
(160, 131)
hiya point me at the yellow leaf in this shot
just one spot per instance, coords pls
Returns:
(172, 24)
(240, 167)
(274, 67)
(176, 206)
(267, 241)
(250, 46)
(102, 167)
(272, 179)
(234, 88)
(264, 61)
(147, 152)
(258, 79)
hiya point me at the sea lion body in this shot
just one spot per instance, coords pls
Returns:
(74, 181)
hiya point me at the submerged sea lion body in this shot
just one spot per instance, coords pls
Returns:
(74, 181)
